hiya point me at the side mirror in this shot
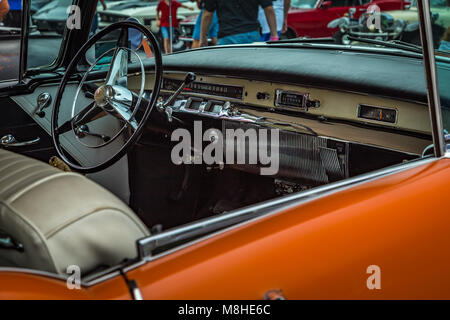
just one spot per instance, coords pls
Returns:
(326, 5)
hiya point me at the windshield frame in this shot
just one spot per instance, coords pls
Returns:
(429, 60)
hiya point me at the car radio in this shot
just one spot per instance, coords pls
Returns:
(296, 101)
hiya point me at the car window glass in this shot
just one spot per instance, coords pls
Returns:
(440, 17)
(49, 19)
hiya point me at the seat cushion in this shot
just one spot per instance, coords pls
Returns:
(62, 219)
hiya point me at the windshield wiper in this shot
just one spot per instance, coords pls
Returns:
(302, 40)
(396, 44)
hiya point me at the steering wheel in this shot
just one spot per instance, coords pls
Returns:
(112, 98)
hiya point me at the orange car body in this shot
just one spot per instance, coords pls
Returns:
(320, 249)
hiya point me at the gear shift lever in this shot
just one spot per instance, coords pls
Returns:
(167, 106)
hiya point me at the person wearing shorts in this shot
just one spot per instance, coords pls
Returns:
(281, 8)
(163, 20)
(213, 29)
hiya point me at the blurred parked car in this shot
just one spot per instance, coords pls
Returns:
(53, 16)
(36, 5)
(309, 18)
(390, 28)
(145, 12)
(187, 29)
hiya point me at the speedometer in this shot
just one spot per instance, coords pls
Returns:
(212, 89)
(377, 113)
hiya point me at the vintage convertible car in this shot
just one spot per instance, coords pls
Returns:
(309, 18)
(346, 198)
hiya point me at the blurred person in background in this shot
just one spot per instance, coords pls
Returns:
(13, 18)
(4, 9)
(281, 8)
(213, 31)
(238, 20)
(445, 40)
(163, 19)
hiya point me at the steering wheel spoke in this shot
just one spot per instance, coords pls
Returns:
(118, 72)
(90, 113)
(124, 113)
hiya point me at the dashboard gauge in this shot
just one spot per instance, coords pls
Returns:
(217, 90)
(377, 113)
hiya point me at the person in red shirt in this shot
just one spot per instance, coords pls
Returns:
(164, 22)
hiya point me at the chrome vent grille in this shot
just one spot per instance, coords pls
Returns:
(302, 156)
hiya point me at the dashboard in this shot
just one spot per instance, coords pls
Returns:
(343, 115)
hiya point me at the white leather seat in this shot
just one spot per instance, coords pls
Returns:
(61, 219)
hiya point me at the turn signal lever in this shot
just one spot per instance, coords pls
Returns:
(166, 107)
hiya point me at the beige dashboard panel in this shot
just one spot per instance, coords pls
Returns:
(333, 104)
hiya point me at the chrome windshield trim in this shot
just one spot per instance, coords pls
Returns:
(429, 61)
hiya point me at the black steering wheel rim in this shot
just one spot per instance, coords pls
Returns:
(157, 55)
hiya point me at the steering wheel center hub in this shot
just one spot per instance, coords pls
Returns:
(102, 95)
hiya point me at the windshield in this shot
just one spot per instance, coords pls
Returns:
(303, 4)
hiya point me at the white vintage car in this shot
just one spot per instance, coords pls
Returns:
(440, 7)
(52, 17)
(145, 12)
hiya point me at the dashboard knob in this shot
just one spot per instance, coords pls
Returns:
(262, 96)
(43, 101)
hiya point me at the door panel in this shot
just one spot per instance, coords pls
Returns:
(16, 122)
